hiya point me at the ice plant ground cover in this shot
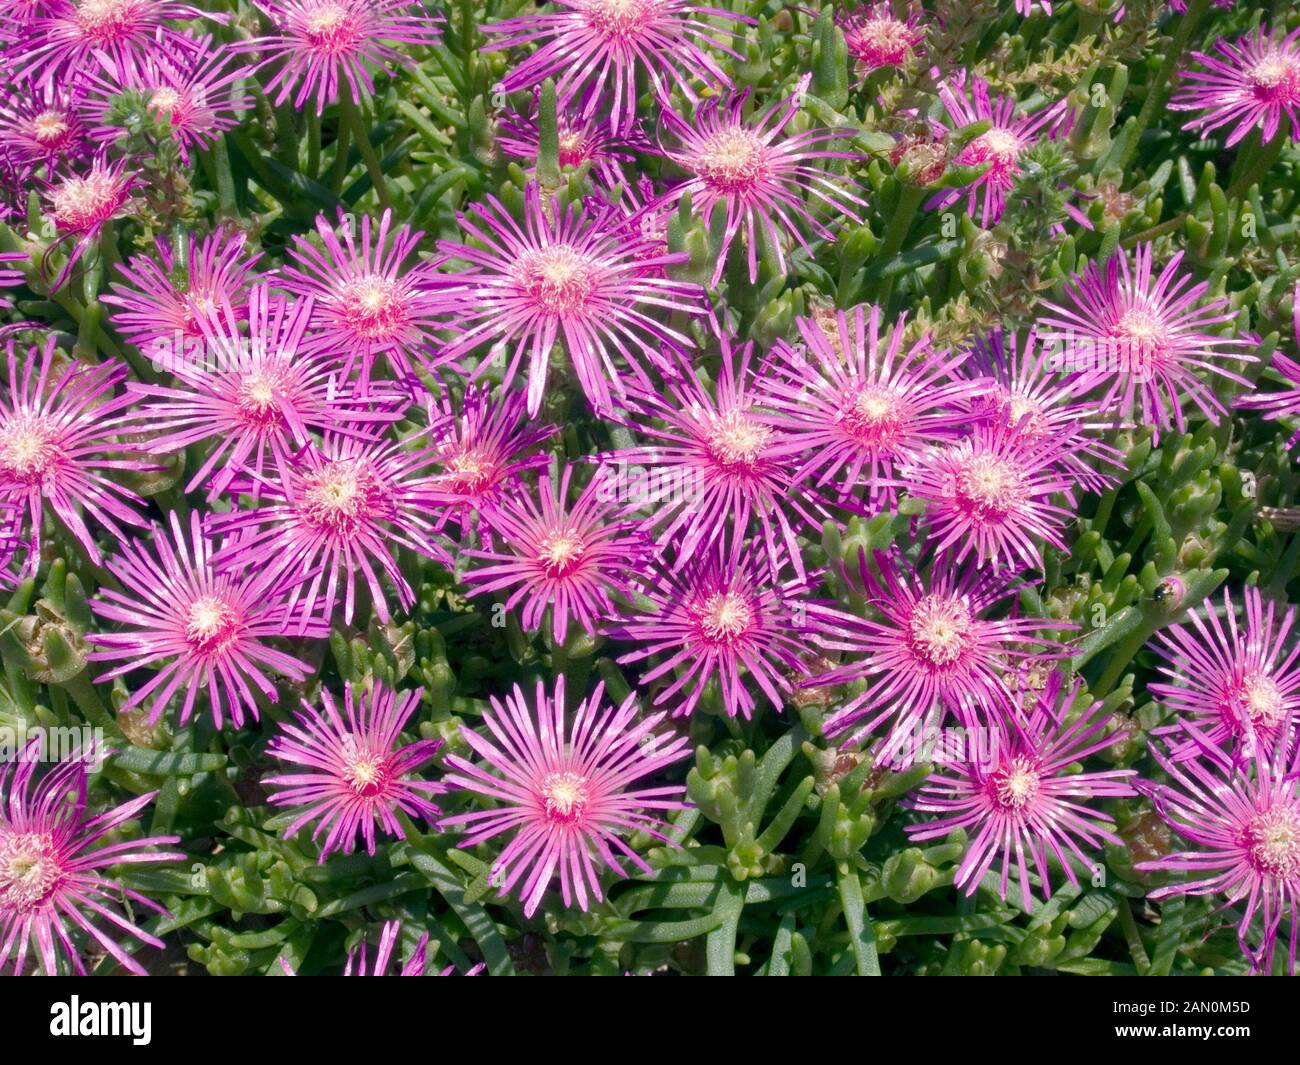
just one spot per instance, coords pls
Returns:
(634, 487)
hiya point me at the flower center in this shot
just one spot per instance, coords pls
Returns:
(29, 449)
(989, 487)
(106, 20)
(941, 630)
(471, 471)
(366, 774)
(998, 146)
(1272, 840)
(564, 797)
(81, 203)
(1275, 79)
(1015, 783)
(722, 617)
(373, 307)
(621, 20)
(50, 127)
(213, 625)
(559, 553)
(1257, 699)
(30, 870)
(331, 28)
(342, 497)
(257, 399)
(557, 280)
(875, 416)
(168, 103)
(1139, 338)
(736, 442)
(574, 147)
(732, 160)
(879, 42)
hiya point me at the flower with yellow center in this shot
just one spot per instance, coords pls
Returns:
(1015, 783)
(736, 442)
(941, 630)
(564, 797)
(732, 160)
(1272, 840)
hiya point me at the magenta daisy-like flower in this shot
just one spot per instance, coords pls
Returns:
(358, 964)
(714, 465)
(54, 887)
(164, 297)
(42, 125)
(197, 93)
(255, 396)
(372, 293)
(849, 400)
(990, 495)
(1001, 147)
(725, 615)
(877, 38)
(11, 278)
(597, 48)
(322, 46)
(61, 444)
(355, 779)
(1244, 827)
(482, 451)
(1142, 337)
(66, 36)
(1019, 799)
(563, 275)
(205, 629)
(759, 173)
(1285, 403)
(929, 647)
(565, 559)
(1254, 83)
(1239, 683)
(582, 139)
(340, 510)
(565, 792)
(1017, 392)
(80, 206)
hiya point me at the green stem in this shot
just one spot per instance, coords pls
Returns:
(341, 146)
(352, 118)
(1259, 163)
(909, 200)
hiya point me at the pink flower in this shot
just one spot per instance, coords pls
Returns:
(1285, 403)
(355, 779)
(207, 629)
(1237, 684)
(566, 793)
(1020, 800)
(1244, 829)
(564, 275)
(81, 205)
(1143, 337)
(358, 963)
(929, 648)
(324, 45)
(372, 293)
(582, 139)
(59, 432)
(569, 561)
(52, 880)
(876, 38)
(1256, 85)
(340, 509)
(42, 125)
(598, 47)
(760, 176)
(847, 399)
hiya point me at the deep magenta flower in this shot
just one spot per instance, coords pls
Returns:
(596, 49)
(582, 139)
(851, 400)
(877, 38)
(358, 964)
(568, 560)
(339, 510)
(929, 648)
(1019, 799)
(1016, 391)
(206, 630)
(61, 444)
(371, 292)
(760, 173)
(1243, 825)
(713, 466)
(1255, 85)
(725, 615)
(65, 36)
(254, 395)
(990, 495)
(355, 778)
(1239, 684)
(1142, 337)
(566, 793)
(1285, 403)
(564, 275)
(41, 125)
(80, 205)
(164, 297)
(1001, 147)
(55, 895)
(11, 278)
(323, 46)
